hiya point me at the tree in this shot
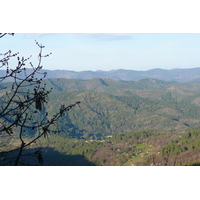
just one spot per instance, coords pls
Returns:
(22, 105)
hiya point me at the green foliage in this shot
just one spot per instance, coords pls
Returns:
(189, 141)
(137, 136)
(173, 148)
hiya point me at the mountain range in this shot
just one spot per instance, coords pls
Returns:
(179, 75)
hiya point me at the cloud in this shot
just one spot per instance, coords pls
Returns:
(106, 36)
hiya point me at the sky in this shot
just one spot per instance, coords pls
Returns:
(108, 51)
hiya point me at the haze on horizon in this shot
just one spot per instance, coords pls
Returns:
(109, 51)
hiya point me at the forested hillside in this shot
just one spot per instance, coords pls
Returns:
(111, 107)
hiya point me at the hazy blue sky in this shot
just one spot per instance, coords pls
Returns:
(104, 51)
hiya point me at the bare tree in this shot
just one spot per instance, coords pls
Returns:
(22, 105)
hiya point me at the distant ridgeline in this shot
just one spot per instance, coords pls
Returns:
(111, 107)
(180, 75)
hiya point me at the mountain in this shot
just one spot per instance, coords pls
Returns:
(179, 75)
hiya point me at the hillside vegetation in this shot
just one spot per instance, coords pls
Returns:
(111, 107)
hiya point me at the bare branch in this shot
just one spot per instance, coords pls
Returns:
(22, 106)
(3, 34)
